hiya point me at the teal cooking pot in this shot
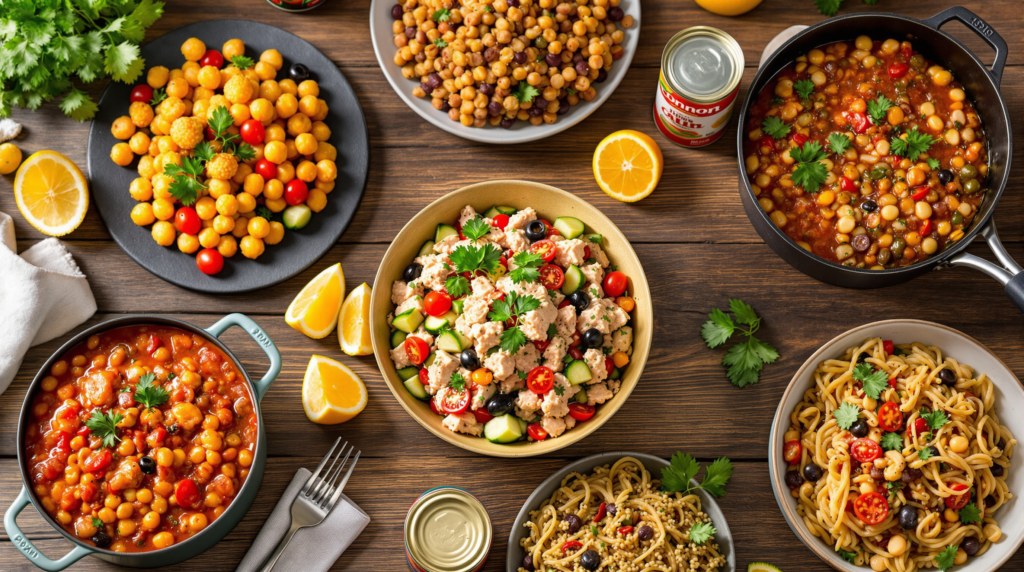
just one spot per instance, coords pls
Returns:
(219, 527)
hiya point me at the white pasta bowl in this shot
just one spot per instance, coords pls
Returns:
(963, 348)
(584, 466)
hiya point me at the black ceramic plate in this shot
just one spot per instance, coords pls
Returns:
(299, 249)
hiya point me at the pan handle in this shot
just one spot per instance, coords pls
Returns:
(25, 545)
(1007, 272)
(979, 27)
(261, 337)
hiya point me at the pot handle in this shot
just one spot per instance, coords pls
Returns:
(1007, 272)
(261, 337)
(979, 27)
(25, 545)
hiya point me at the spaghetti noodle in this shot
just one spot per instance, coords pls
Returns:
(929, 499)
(619, 513)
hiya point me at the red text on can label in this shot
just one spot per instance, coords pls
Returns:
(687, 123)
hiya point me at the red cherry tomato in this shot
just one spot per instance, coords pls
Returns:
(551, 230)
(541, 345)
(546, 248)
(959, 501)
(454, 401)
(266, 169)
(871, 508)
(847, 184)
(212, 58)
(552, 277)
(295, 192)
(210, 261)
(919, 192)
(540, 380)
(897, 70)
(154, 343)
(433, 406)
(536, 432)
(575, 340)
(609, 365)
(564, 303)
(253, 132)
(890, 417)
(142, 93)
(767, 141)
(906, 50)
(482, 416)
(925, 227)
(581, 411)
(888, 346)
(920, 426)
(799, 139)
(858, 121)
(500, 221)
(586, 253)
(575, 353)
(865, 450)
(187, 220)
(416, 349)
(437, 303)
(791, 452)
(187, 493)
(615, 283)
(424, 376)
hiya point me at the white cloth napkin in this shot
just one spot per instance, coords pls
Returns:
(778, 40)
(313, 549)
(43, 295)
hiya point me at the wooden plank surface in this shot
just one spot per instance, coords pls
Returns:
(692, 236)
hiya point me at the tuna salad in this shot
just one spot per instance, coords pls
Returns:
(512, 327)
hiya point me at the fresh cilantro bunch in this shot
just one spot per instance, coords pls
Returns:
(511, 308)
(830, 7)
(744, 359)
(48, 44)
(809, 172)
(527, 267)
(873, 381)
(682, 468)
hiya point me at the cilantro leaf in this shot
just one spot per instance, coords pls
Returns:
(775, 127)
(912, 144)
(846, 415)
(809, 152)
(873, 381)
(469, 258)
(970, 514)
(97, 523)
(245, 152)
(944, 559)
(527, 265)
(558, 389)
(717, 476)
(476, 228)
(743, 312)
(512, 340)
(525, 92)
(701, 532)
(158, 96)
(804, 88)
(744, 360)
(219, 120)
(925, 454)
(442, 15)
(123, 63)
(839, 143)
(677, 476)
(934, 164)
(846, 555)
(457, 382)
(104, 426)
(440, 43)
(809, 172)
(877, 108)
(935, 419)
(242, 62)
(892, 442)
(717, 329)
(204, 151)
(148, 394)
(78, 105)
(828, 7)
(457, 286)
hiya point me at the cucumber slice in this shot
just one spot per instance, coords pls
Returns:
(443, 231)
(435, 324)
(492, 212)
(569, 226)
(415, 388)
(397, 337)
(296, 216)
(408, 320)
(408, 373)
(522, 424)
(463, 340)
(616, 374)
(430, 360)
(581, 396)
(578, 372)
(427, 248)
(574, 279)
(504, 429)
(449, 342)
(596, 239)
(507, 210)
(457, 305)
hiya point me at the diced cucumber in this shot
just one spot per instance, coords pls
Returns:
(492, 212)
(408, 320)
(616, 374)
(596, 239)
(507, 210)
(449, 342)
(457, 305)
(443, 231)
(574, 279)
(415, 388)
(427, 248)
(504, 429)
(430, 360)
(522, 424)
(581, 396)
(569, 226)
(397, 337)
(408, 373)
(435, 324)
(296, 216)
(463, 340)
(578, 372)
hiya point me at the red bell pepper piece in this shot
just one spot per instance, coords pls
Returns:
(98, 461)
(601, 511)
(919, 192)
(571, 545)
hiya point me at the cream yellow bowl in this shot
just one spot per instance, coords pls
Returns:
(549, 203)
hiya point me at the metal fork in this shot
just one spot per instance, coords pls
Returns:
(317, 497)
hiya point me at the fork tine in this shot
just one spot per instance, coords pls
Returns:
(332, 480)
(316, 473)
(344, 481)
(318, 485)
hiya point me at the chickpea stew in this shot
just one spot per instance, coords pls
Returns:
(867, 155)
(140, 437)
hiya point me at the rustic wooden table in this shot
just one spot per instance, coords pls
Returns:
(691, 235)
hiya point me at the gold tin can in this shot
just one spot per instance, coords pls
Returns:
(447, 530)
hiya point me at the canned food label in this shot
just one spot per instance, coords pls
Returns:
(688, 123)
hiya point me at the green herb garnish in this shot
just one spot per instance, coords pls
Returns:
(892, 442)
(513, 306)
(527, 267)
(804, 88)
(476, 228)
(148, 394)
(442, 15)
(242, 62)
(104, 426)
(775, 127)
(913, 145)
(469, 258)
(873, 381)
(701, 532)
(944, 559)
(970, 514)
(676, 477)
(745, 359)
(935, 419)
(457, 286)
(525, 92)
(878, 107)
(839, 143)
(846, 415)
(809, 172)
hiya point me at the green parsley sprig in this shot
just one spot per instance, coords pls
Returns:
(442, 15)
(476, 228)
(744, 359)
(511, 308)
(149, 394)
(527, 267)
(219, 121)
(775, 127)
(935, 419)
(186, 183)
(701, 532)
(831, 7)
(839, 143)
(525, 92)
(804, 88)
(682, 468)
(104, 426)
(809, 172)
(469, 258)
(878, 107)
(457, 381)
(242, 62)
(912, 145)
(944, 560)
(873, 381)
(846, 555)
(892, 442)
(457, 286)
(846, 415)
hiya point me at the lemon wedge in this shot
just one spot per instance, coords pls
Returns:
(354, 327)
(628, 165)
(51, 193)
(331, 392)
(762, 567)
(314, 311)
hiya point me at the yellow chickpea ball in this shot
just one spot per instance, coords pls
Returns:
(228, 73)
(209, 77)
(270, 90)
(238, 90)
(176, 74)
(188, 243)
(253, 184)
(218, 188)
(228, 246)
(325, 151)
(316, 200)
(209, 238)
(240, 114)
(162, 186)
(259, 227)
(273, 189)
(167, 145)
(121, 154)
(308, 105)
(164, 159)
(321, 111)
(193, 49)
(223, 224)
(141, 189)
(206, 208)
(163, 233)
(288, 86)
(171, 109)
(306, 171)
(320, 130)
(200, 110)
(160, 125)
(141, 113)
(306, 143)
(122, 128)
(285, 172)
(233, 47)
(163, 209)
(308, 87)
(186, 132)
(222, 166)
(252, 247)
(325, 186)
(246, 203)
(262, 110)
(326, 171)
(142, 214)
(276, 233)
(241, 228)
(276, 205)
(200, 93)
(275, 152)
(147, 166)
(157, 76)
(299, 123)
(177, 87)
(272, 57)
(264, 71)
(274, 132)
(139, 143)
(286, 105)
(227, 205)
(293, 151)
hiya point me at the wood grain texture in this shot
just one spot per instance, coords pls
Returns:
(692, 236)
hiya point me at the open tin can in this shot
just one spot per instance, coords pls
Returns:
(447, 530)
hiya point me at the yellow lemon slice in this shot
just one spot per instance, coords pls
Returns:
(314, 311)
(51, 193)
(627, 165)
(331, 392)
(762, 567)
(728, 7)
(354, 327)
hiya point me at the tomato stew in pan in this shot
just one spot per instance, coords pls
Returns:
(140, 437)
(867, 155)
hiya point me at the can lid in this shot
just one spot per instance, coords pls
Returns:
(703, 63)
(448, 530)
